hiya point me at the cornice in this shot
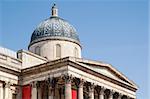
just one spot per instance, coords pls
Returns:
(87, 70)
(108, 66)
(10, 71)
(55, 38)
(44, 67)
(68, 62)
(32, 54)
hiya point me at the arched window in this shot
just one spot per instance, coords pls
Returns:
(76, 52)
(58, 51)
(37, 50)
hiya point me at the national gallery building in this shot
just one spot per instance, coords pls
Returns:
(53, 68)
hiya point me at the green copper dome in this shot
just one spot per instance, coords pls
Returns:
(54, 27)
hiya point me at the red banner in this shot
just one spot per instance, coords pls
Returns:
(74, 94)
(26, 92)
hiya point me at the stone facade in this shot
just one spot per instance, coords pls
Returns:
(48, 48)
(66, 74)
(47, 72)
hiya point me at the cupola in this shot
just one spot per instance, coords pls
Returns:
(55, 35)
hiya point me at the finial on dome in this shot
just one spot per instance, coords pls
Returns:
(54, 10)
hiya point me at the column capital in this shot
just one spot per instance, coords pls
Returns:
(79, 82)
(67, 78)
(111, 93)
(7, 84)
(1, 85)
(120, 95)
(102, 90)
(128, 97)
(91, 87)
(91, 90)
(52, 82)
(34, 84)
(38, 84)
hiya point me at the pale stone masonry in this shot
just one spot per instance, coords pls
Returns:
(53, 68)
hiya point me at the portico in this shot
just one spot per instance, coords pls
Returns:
(59, 83)
(103, 93)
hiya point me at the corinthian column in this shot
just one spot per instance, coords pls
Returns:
(91, 91)
(119, 96)
(34, 90)
(1, 90)
(101, 94)
(68, 92)
(80, 89)
(8, 93)
(111, 94)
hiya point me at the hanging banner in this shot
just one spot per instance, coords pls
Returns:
(26, 92)
(74, 94)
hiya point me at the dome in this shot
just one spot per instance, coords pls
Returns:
(54, 27)
(55, 38)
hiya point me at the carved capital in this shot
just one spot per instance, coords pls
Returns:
(111, 93)
(38, 84)
(7, 85)
(91, 87)
(79, 82)
(128, 97)
(67, 78)
(1, 85)
(120, 95)
(52, 82)
(34, 84)
(102, 90)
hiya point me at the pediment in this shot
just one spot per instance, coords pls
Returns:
(106, 70)
(111, 74)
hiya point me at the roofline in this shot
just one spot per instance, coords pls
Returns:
(109, 66)
(32, 54)
(71, 61)
(55, 38)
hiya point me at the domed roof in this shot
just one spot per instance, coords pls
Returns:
(54, 27)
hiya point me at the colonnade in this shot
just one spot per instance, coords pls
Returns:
(5, 90)
(94, 91)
